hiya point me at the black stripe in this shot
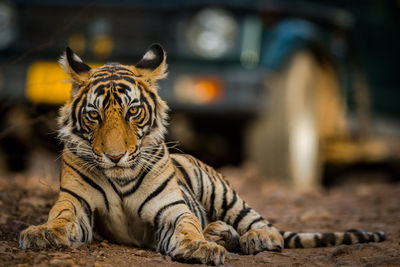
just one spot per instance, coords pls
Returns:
(61, 212)
(84, 233)
(325, 240)
(177, 219)
(160, 211)
(253, 222)
(106, 100)
(201, 185)
(164, 243)
(297, 242)
(100, 89)
(346, 239)
(288, 238)
(72, 204)
(91, 183)
(360, 236)
(73, 113)
(85, 205)
(116, 190)
(382, 236)
(186, 198)
(158, 154)
(371, 237)
(155, 193)
(112, 78)
(161, 240)
(231, 204)
(240, 216)
(154, 98)
(182, 170)
(224, 200)
(138, 183)
(212, 199)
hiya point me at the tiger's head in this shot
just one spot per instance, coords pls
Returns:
(114, 115)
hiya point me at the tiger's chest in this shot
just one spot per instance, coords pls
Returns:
(121, 224)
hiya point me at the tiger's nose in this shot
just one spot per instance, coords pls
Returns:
(114, 157)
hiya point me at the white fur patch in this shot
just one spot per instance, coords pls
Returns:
(149, 55)
(76, 58)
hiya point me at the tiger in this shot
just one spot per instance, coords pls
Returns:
(119, 180)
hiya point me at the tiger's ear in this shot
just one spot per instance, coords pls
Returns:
(73, 65)
(152, 67)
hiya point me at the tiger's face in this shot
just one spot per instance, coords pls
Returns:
(114, 117)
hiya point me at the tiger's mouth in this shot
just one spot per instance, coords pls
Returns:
(118, 172)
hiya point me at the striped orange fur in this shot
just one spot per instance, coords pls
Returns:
(118, 177)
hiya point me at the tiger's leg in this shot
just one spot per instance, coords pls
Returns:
(69, 221)
(222, 203)
(256, 233)
(223, 234)
(183, 241)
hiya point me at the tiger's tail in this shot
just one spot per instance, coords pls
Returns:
(313, 240)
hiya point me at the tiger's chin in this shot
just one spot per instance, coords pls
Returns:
(120, 173)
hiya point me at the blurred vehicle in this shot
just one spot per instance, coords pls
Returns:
(266, 79)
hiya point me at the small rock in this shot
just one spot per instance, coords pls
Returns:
(167, 258)
(104, 244)
(283, 254)
(263, 254)
(76, 245)
(59, 263)
(232, 256)
(341, 250)
(157, 259)
(140, 253)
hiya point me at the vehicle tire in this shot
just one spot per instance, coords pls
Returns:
(303, 109)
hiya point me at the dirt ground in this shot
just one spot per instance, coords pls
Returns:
(26, 199)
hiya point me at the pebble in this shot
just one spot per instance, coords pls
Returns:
(341, 250)
(140, 253)
(104, 244)
(76, 245)
(61, 262)
(167, 258)
(157, 259)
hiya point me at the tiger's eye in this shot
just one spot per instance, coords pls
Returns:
(134, 111)
(93, 114)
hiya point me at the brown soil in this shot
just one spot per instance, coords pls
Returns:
(26, 199)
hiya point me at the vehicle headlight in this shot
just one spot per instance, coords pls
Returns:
(8, 30)
(212, 33)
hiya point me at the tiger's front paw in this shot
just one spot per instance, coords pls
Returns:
(200, 251)
(257, 240)
(223, 234)
(46, 235)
